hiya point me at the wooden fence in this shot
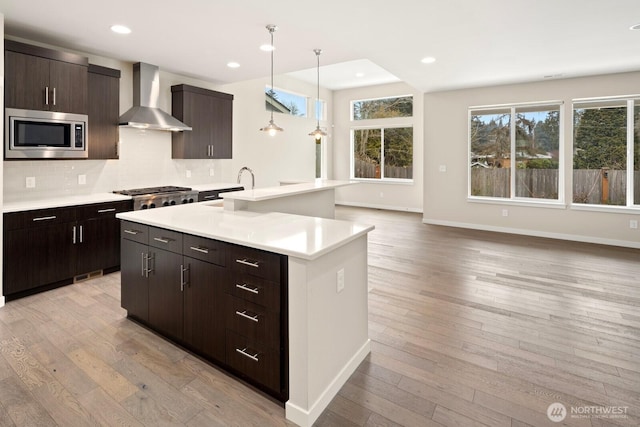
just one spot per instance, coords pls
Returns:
(372, 170)
(591, 186)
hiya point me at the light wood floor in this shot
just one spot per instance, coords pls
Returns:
(468, 328)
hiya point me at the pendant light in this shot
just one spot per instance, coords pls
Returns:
(318, 133)
(271, 128)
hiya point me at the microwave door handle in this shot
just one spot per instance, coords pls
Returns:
(54, 96)
(46, 95)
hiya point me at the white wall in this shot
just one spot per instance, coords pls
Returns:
(445, 193)
(145, 156)
(377, 195)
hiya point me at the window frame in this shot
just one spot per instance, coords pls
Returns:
(631, 101)
(513, 199)
(268, 89)
(381, 123)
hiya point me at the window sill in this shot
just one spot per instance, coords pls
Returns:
(605, 208)
(384, 181)
(551, 204)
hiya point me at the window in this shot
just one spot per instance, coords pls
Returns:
(383, 144)
(514, 152)
(281, 101)
(606, 152)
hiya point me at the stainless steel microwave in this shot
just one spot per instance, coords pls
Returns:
(33, 134)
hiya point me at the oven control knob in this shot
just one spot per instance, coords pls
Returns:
(144, 207)
(184, 201)
(152, 205)
(173, 202)
(190, 200)
(165, 203)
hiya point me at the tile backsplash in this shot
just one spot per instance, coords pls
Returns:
(145, 161)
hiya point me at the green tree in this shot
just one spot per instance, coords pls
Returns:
(600, 138)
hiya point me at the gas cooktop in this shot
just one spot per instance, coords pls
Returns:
(152, 190)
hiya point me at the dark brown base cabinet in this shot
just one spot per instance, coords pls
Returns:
(224, 302)
(47, 248)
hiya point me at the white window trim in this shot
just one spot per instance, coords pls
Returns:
(513, 200)
(375, 99)
(301, 95)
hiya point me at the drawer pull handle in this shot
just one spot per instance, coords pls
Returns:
(255, 264)
(162, 239)
(244, 314)
(134, 232)
(199, 249)
(106, 210)
(253, 357)
(244, 287)
(45, 218)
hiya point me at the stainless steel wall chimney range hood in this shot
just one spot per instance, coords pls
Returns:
(145, 113)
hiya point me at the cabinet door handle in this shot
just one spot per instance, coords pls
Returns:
(106, 210)
(142, 264)
(46, 95)
(244, 287)
(134, 232)
(54, 96)
(246, 315)
(253, 357)
(199, 249)
(245, 261)
(44, 218)
(145, 269)
(81, 234)
(183, 282)
(73, 235)
(163, 239)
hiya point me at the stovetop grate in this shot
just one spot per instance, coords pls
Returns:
(152, 190)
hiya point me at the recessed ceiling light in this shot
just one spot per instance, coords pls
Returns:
(635, 27)
(359, 74)
(267, 48)
(120, 29)
(233, 65)
(428, 60)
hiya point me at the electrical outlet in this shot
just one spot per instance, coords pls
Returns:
(381, 194)
(442, 168)
(188, 174)
(505, 212)
(82, 179)
(211, 172)
(340, 280)
(30, 182)
(633, 223)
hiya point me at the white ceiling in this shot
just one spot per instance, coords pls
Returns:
(476, 42)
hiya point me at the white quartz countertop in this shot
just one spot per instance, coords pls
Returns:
(258, 194)
(58, 202)
(292, 235)
(215, 186)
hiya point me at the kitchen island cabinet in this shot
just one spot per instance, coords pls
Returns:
(317, 296)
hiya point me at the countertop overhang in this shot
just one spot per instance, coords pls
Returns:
(267, 193)
(292, 235)
(64, 201)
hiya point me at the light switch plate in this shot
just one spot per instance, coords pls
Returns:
(30, 182)
(82, 179)
(340, 280)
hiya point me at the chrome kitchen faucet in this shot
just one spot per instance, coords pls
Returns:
(253, 178)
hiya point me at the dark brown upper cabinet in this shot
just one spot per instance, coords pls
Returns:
(104, 111)
(38, 78)
(210, 114)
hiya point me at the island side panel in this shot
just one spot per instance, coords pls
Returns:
(328, 330)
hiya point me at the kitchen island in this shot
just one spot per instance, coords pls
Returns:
(314, 198)
(324, 292)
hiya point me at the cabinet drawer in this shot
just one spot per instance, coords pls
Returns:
(261, 364)
(256, 290)
(101, 210)
(256, 263)
(165, 239)
(205, 249)
(134, 231)
(253, 321)
(43, 217)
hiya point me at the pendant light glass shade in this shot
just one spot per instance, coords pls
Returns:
(318, 133)
(271, 128)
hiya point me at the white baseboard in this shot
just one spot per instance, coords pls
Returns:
(1, 301)
(535, 233)
(306, 417)
(384, 207)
